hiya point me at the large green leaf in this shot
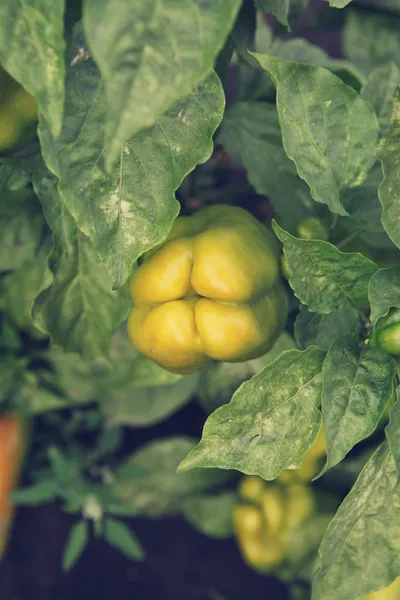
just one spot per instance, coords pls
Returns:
(76, 306)
(357, 387)
(132, 209)
(32, 50)
(253, 129)
(162, 490)
(327, 129)
(324, 278)
(313, 328)
(384, 292)
(360, 551)
(379, 90)
(151, 54)
(389, 191)
(286, 11)
(371, 40)
(269, 423)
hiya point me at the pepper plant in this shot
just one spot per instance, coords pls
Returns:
(150, 110)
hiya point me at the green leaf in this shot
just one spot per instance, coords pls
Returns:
(371, 39)
(32, 50)
(77, 306)
(363, 206)
(19, 289)
(379, 90)
(360, 551)
(129, 404)
(327, 129)
(313, 329)
(357, 387)
(162, 490)
(384, 292)
(286, 11)
(36, 494)
(151, 54)
(22, 226)
(75, 545)
(219, 380)
(212, 515)
(389, 191)
(253, 130)
(324, 278)
(269, 423)
(392, 432)
(132, 209)
(120, 536)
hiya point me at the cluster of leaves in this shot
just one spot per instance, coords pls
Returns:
(129, 105)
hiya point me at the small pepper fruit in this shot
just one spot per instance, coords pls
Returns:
(212, 290)
(386, 333)
(18, 114)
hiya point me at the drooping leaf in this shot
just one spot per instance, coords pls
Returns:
(324, 278)
(121, 537)
(360, 551)
(389, 191)
(286, 11)
(384, 292)
(162, 490)
(327, 129)
(151, 54)
(132, 209)
(357, 387)
(379, 90)
(212, 514)
(321, 329)
(370, 39)
(269, 423)
(76, 306)
(32, 50)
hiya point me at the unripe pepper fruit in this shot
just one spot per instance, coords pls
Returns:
(211, 291)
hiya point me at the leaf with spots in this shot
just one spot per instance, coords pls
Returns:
(328, 130)
(76, 305)
(360, 551)
(270, 422)
(324, 278)
(132, 209)
(150, 54)
(357, 387)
